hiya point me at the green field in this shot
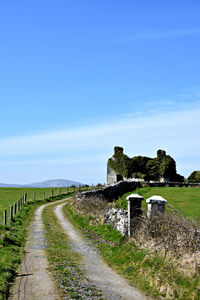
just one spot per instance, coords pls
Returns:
(10, 195)
(185, 200)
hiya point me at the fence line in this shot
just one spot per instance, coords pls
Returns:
(9, 214)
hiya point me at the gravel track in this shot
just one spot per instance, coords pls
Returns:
(33, 280)
(113, 286)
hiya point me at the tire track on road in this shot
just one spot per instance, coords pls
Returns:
(113, 286)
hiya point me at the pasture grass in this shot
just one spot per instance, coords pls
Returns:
(10, 195)
(184, 199)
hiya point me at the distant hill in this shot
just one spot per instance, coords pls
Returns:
(46, 184)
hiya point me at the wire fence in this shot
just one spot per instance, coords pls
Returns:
(8, 213)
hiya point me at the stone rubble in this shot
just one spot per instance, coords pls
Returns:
(118, 219)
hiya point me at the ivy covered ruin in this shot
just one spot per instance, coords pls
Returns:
(162, 168)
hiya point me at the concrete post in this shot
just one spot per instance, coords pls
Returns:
(155, 204)
(134, 209)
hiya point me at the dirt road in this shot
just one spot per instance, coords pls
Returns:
(113, 286)
(33, 280)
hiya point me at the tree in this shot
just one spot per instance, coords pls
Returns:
(194, 176)
(153, 169)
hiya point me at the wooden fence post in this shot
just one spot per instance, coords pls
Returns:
(15, 208)
(5, 216)
(25, 197)
(34, 196)
(11, 212)
(19, 205)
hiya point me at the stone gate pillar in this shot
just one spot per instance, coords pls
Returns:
(155, 204)
(134, 209)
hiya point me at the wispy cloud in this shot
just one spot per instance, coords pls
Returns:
(158, 35)
(160, 129)
(81, 152)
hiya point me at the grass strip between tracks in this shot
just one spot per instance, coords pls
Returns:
(64, 263)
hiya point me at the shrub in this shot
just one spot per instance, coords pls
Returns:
(169, 233)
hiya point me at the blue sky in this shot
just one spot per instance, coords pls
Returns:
(79, 77)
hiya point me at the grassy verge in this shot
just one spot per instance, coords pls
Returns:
(12, 242)
(150, 272)
(65, 263)
(185, 200)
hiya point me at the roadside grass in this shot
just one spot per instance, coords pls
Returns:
(64, 263)
(105, 231)
(185, 200)
(148, 271)
(12, 242)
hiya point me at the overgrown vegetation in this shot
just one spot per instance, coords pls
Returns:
(65, 263)
(163, 166)
(12, 242)
(147, 263)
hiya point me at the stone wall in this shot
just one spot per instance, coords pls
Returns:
(114, 191)
(118, 218)
(110, 192)
(171, 184)
(111, 175)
